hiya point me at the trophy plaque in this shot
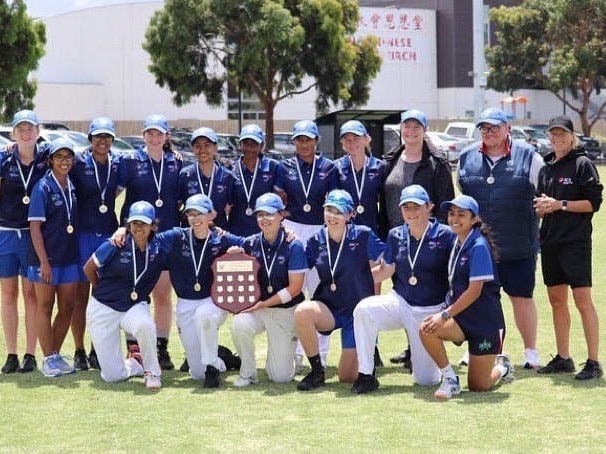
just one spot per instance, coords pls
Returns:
(235, 287)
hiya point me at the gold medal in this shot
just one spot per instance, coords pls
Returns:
(134, 296)
(70, 229)
(197, 287)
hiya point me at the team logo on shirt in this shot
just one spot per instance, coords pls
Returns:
(485, 346)
(56, 200)
(265, 177)
(565, 180)
(142, 168)
(281, 260)
(433, 244)
(353, 245)
(292, 175)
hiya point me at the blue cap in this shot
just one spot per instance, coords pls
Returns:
(141, 211)
(269, 203)
(339, 199)
(414, 114)
(414, 193)
(493, 116)
(200, 203)
(204, 132)
(156, 121)
(25, 116)
(305, 128)
(102, 125)
(464, 202)
(353, 127)
(61, 143)
(253, 132)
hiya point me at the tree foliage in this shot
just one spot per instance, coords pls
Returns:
(266, 47)
(556, 45)
(22, 43)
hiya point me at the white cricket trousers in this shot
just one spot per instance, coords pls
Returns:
(104, 325)
(388, 312)
(281, 341)
(198, 322)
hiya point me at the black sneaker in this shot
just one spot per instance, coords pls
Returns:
(29, 363)
(211, 377)
(401, 358)
(557, 365)
(80, 360)
(315, 379)
(11, 365)
(93, 361)
(378, 360)
(163, 355)
(591, 369)
(365, 384)
(185, 366)
(231, 360)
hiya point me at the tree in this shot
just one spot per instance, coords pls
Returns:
(265, 47)
(558, 45)
(22, 43)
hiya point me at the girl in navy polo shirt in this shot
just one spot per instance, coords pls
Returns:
(54, 256)
(341, 252)
(281, 274)
(473, 307)
(21, 166)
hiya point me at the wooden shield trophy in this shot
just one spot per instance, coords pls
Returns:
(235, 287)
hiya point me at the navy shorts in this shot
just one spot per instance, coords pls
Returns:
(14, 247)
(567, 264)
(483, 343)
(345, 324)
(517, 277)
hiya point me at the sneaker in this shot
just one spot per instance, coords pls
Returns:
(299, 365)
(591, 369)
(29, 363)
(557, 365)
(185, 366)
(464, 361)
(243, 382)
(313, 380)
(365, 384)
(50, 368)
(401, 357)
(63, 365)
(152, 382)
(11, 365)
(80, 360)
(134, 352)
(531, 359)
(449, 387)
(378, 360)
(211, 377)
(93, 361)
(505, 362)
(135, 369)
(230, 359)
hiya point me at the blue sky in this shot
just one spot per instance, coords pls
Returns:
(44, 8)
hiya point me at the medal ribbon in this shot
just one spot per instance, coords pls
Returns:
(359, 187)
(31, 170)
(452, 260)
(137, 278)
(212, 178)
(157, 181)
(412, 261)
(67, 199)
(248, 191)
(273, 260)
(109, 168)
(311, 178)
(330, 265)
(197, 263)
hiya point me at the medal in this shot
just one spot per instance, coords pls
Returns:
(197, 263)
(197, 287)
(359, 187)
(333, 266)
(360, 209)
(333, 287)
(25, 200)
(270, 289)
(159, 203)
(268, 269)
(306, 189)
(249, 211)
(137, 277)
(102, 208)
(307, 207)
(490, 180)
(412, 280)
(67, 199)
(25, 181)
(70, 229)
(248, 190)
(134, 296)
(158, 180)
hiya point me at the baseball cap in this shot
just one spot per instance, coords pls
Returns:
(61, 143)
(493, 116)
(464, 202)
(25, 116)
(339, 199)
(200, 203)
(141, 211)
(353, 127)
(204, 132)
(269, 203)
(414, 114)
(562, 122)
(102, 125)
(305, 128)
(156, 121)
(414, 193)
(253, 132)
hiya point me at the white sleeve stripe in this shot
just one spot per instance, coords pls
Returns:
(486, 277)
(304, 270)
(43, 219)
(96, 260)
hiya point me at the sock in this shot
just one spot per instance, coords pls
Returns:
(315, 362)
(448, 372)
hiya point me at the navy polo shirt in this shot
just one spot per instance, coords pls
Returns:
(137, 177)
(116, 274)
(13, 212)
(352, 275)
(48, 206)
(223, 181)
(376, 173)
(430, 268)
(288, 181)
(91, 220)
(239, 223)
(289, 258)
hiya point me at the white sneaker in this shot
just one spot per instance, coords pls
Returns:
(134, 367)
(152, 382)
(531, 359)
(504, 361)
(448, 388)
(299, 367)
(243, 382)
(464, 361)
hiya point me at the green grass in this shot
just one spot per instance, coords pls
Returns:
(81, 413)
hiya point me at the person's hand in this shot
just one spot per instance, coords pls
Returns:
(46, 273)
(290, 235)
(545, 205)
(235, 250)
(119, 237)
(431, 323)
(258, 305)
(178, 155)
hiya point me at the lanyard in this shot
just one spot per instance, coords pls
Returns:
(158, 181)
(212, 178)
(411, 262)
(332, 267)
(109, 172)
(273, 260)
(248, 191)
(359, 187)
(452, 260)
(29, 175)
(197, 263)
(311, 178)
(67, 199)
(137, 277)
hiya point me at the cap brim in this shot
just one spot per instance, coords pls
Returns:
(355, 132)
(266, 209)
(413, 200)
(193, 139)
(341, 208)
(559, 127)
(311, 135)
(157, 128)
(255, 138)
(490, 121)
(103, 131)
(139, 217)
(198, 208)
(405, 119)
(447, 205)
(26, 120)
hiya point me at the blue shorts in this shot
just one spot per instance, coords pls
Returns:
(483, 343)
(14, 247)
(61, 274)
(87, 244)
(345, 324)
(518, 276)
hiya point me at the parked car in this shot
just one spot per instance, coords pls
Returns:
(134, 141)
(391, 137)
(463, 130)
(591, 145)
(283, 148)
(449, 146)
(539, 139)
(54, 126)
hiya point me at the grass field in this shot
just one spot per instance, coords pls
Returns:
(81, 413)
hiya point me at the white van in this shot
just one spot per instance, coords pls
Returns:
(464, 130)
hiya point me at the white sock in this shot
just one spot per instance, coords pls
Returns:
(448, 372)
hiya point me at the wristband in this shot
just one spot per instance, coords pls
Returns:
(284, 295)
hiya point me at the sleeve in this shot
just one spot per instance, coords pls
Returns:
(374, 246)
(233, 240)
(104, 254)
(123, 170)
(297, 263)
(480, 262)
(536, 164)
(591, 188)
(166, 239)
(37, 206)
(391, 249)
(183, 185)
(311, 251)
(280, 182)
